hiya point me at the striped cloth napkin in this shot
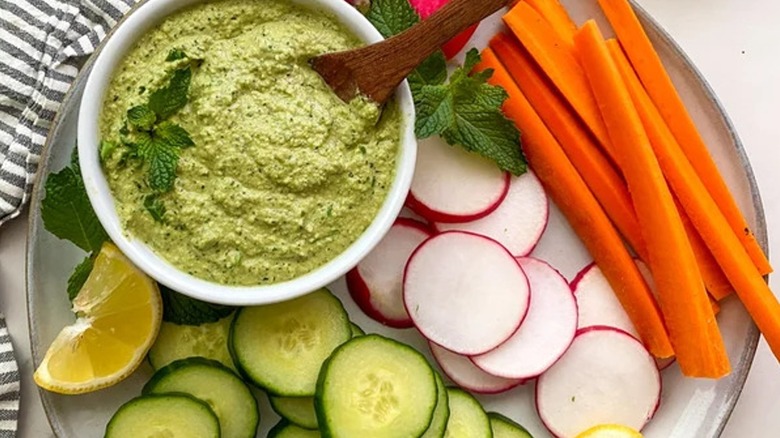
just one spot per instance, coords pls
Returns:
(42, 44)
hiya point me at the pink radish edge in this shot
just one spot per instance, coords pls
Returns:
(361, 293)
(449, 361)
(498, 245)
(487, 361)
(662, 364)
(627, 335)
(434, 215)
(500, 224)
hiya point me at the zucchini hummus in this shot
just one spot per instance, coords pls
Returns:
(283, 176)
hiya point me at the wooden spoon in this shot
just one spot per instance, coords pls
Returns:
(376, 70)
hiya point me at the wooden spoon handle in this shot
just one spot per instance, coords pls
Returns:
(422, 40)
(376, 70)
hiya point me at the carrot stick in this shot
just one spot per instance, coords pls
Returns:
(663, 93)
(715, 280)
(598, 172)
(586, 216)
(555, 14)
(703, 211)
(558, 62)
(687, 312)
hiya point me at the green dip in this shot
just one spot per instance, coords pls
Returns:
(283, 176)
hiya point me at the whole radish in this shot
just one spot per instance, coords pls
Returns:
(426, 8)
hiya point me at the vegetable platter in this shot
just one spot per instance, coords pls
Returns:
(688, 407)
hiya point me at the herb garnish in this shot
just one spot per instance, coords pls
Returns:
(67, 213)
(465, 110)
(152, 140)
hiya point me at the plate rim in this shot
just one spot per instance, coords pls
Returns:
(760, 230)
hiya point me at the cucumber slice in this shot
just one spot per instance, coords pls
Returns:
(297, 410)
(375, 387)
(182, 341)
(215, 384)
(503, 427)
(441, 414)
(168, 415)
(467, 418)
(356, 330)
(281, 347)
(284, 429)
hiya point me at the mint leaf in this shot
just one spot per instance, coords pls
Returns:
(467, 112)
(489, 134)
(435, 111)
(141, 117)
(162, 159)
(391, 17)
(155, 207)
(66, 211)
(183, 310)
(432, 71)
(79, 276)
(171, 98)
(175, 55)
(174, 135)
(106, 149)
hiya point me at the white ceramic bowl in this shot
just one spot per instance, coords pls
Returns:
(143, 19)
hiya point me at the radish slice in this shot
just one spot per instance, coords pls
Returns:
(465, 292)
(606, 377)
(546, 332)
(375, 283)
(466, 375)
(597, 304)
(452, 185)
(519, 222)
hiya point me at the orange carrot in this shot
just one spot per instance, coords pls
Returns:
(693, 330)
(715, 280)
(558, 62)
(555, 14)
(603, 180)
(703, 211)
(598, 172)
(663, 93)
(586, 216)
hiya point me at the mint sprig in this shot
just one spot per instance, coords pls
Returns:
(154, 141)
(67, 213)
(465, 110)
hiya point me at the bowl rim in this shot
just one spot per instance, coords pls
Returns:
(144, 17)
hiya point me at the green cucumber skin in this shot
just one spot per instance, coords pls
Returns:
(439, 430)
(356, 330)
(130, 403)
(294, 419)
(520, 431)
(282, 426)
(454, 390)
(179, 364)
(318, 403)
(253, 380)
(167, 370)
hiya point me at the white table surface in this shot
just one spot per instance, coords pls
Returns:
(733, 42)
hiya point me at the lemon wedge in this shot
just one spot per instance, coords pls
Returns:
(119, 311)
(610, 431)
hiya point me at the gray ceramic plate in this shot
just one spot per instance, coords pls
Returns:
(690, 408)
